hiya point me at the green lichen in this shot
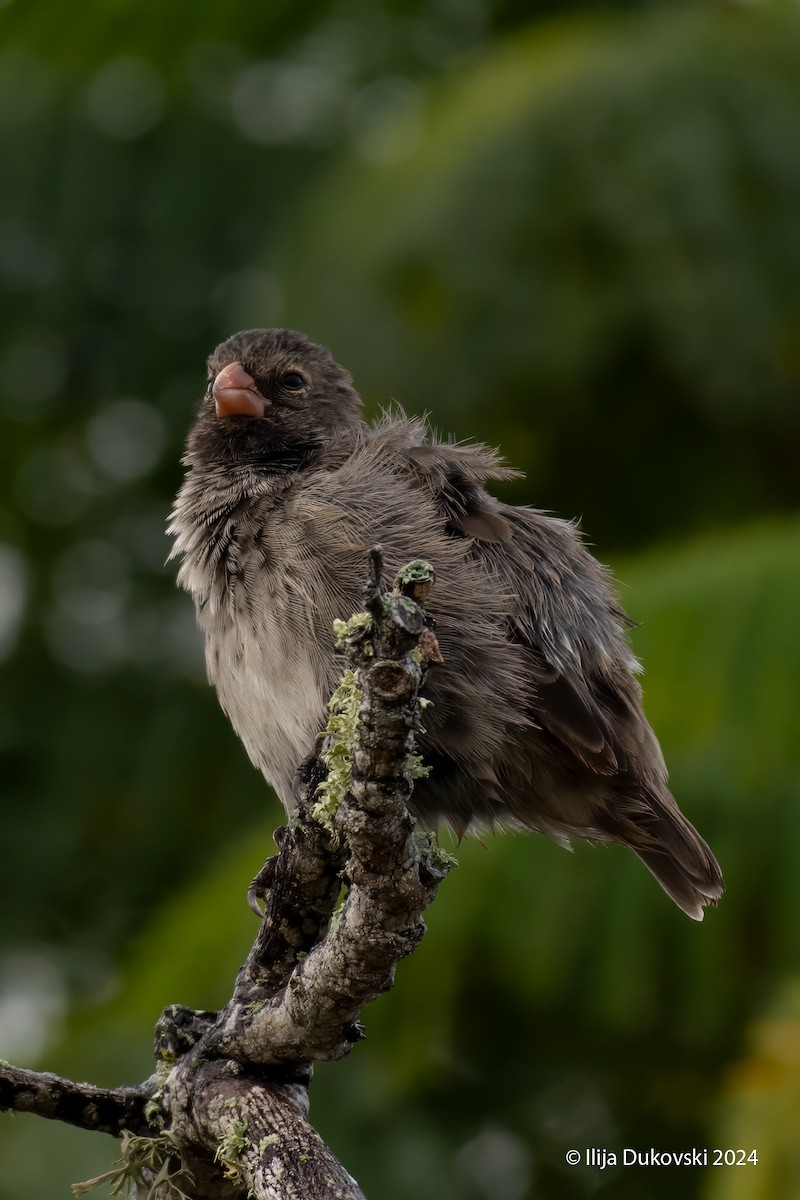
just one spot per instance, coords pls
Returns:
(146, 1169)
(417, 571)
(341, 735)
(415, 768)
(404, 604)
(441, 858)
(153, 1109)
(233, 1141)
(359, 624)
(270, 1139)
(428, 848)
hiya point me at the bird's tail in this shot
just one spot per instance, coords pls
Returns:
(679, 858)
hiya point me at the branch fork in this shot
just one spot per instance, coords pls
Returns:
(229, 1097)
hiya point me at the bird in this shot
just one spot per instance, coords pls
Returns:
(535, 719)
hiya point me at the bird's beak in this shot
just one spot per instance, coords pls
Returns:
(235, 392)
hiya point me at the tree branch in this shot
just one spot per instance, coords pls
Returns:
(229, 1100)
(264, 1142)
(105, 1110)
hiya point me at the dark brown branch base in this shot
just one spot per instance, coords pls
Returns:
(229, 1099)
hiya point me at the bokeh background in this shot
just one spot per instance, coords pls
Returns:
(570, 230)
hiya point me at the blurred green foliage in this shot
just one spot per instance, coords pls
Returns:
(762, 1100)
(573, 232)
(600, 231)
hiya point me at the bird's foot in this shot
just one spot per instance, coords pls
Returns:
(257, 892)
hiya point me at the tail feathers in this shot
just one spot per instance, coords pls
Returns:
(691, 893)
(679, 859)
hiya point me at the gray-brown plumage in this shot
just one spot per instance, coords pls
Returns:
(536, 721)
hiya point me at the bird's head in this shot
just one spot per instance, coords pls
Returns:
(275, 401)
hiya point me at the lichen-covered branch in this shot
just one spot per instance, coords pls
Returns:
(105, 1110)
(362, 819)
(228, 1105)
(264, 1142)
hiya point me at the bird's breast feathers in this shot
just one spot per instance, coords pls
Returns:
(264, 681)
(259, 615)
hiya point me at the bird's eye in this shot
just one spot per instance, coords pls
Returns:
(293, 380)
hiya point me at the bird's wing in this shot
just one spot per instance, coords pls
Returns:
(566, 621)
(452, 473)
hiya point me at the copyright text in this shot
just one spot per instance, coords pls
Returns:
(599, 1157)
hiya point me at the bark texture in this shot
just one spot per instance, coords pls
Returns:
(227, 1109)
(106, 1110)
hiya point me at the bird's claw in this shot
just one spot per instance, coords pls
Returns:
(258, 889)
(255, 896)
(265, 878)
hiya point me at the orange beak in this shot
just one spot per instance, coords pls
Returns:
(235, 393)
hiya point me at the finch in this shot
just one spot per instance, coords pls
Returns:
(535, 720)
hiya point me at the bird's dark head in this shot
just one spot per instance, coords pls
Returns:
(275, 401)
